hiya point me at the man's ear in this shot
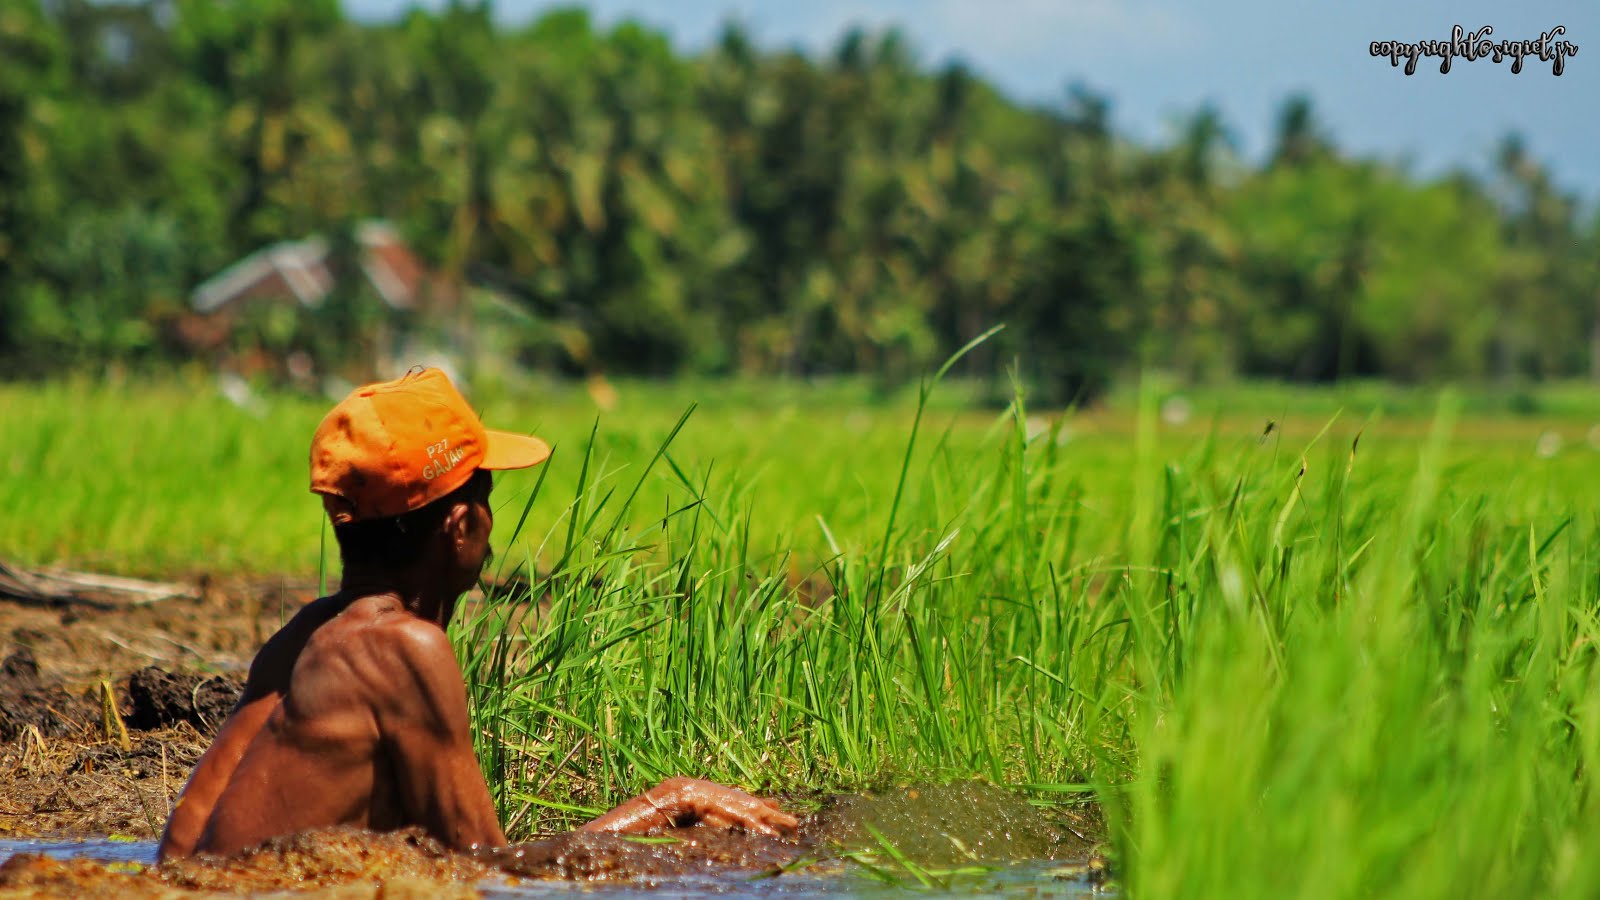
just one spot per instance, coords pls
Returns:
(456, 523)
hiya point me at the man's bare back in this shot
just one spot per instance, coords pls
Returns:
(353, 714)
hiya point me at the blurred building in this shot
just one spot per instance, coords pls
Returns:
(303, 271)
(303, 310)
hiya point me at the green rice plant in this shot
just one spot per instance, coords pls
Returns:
(1289, 671)
(1380, 693)
(677, 644)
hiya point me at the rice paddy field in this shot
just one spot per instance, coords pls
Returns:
(1283, 642)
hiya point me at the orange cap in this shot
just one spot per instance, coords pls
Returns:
(392, 447)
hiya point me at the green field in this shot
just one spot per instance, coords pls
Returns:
(1285, 661)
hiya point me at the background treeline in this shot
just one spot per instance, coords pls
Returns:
(745, 210)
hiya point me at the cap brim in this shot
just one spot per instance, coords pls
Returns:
(513, 451)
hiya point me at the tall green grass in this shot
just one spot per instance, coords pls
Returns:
(1387, 688)
(1283, 670)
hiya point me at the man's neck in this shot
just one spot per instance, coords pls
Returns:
(424, 600)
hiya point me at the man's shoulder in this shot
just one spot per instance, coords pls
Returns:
(378, 658)
(274, 663)
(304, 623)
(406, 638)
(405, 668)
(384, 638)
(368, 631)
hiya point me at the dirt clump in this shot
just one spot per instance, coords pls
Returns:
(161, 699)
(147, 700)
(64, 766)
(27, 701)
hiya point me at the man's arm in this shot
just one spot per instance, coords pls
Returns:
(264, 687)
(679, 802)
(421, 705)
(192, 811)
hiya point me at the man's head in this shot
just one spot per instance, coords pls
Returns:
(449, 536)
(403, 471)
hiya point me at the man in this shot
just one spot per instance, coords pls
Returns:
(355, 712)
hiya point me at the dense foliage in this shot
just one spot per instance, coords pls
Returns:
(742, 210)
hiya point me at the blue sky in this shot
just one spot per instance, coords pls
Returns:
(1158, 59)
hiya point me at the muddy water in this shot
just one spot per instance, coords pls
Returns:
(1020, 880)
(966, 838)
(143, 852)
(949, 825)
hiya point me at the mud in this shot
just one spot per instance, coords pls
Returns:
(216, 632)
(334, 863)
(147, 700)
(667, 855)
(28, 702)
(175, 668)
(348, 862)
(157, 698)
(955, 824)
(322, 858)
(937, 825)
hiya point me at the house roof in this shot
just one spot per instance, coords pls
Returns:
(300, 269)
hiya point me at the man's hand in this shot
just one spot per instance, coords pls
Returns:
(691, 800)
(680, 802)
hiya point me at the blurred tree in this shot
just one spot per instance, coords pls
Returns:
(743, 210)
(1299, 136)
(31, 70)
(1539, 295)
(1083, 272)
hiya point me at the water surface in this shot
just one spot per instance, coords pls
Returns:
(143, 852)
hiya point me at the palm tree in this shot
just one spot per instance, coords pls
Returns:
(1299, 136)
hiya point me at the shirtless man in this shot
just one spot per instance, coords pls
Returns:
(355, 712)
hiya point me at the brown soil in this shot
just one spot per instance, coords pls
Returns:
(173, 670)
(28, 704)
(218, 632)
(345, 862)
(336, 863)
